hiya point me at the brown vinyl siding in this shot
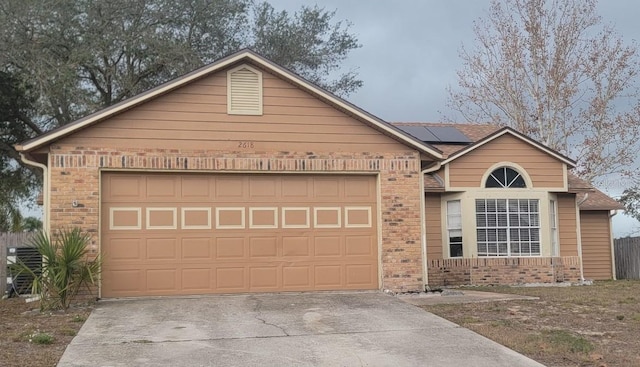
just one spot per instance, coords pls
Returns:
(596, 244)
(567, 226)
(433, 214)
(195, 116)
(544, 170)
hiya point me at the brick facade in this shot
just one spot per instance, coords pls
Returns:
(503, 271)
(75, 176)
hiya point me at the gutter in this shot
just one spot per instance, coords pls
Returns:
(423, 223)
(45, 190)
(612, 214)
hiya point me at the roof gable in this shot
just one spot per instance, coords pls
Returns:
(230, 61)
(504, 131)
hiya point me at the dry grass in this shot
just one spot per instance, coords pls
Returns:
(31, 338)
(596, 325)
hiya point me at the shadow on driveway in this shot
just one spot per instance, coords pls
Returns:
(288, 329)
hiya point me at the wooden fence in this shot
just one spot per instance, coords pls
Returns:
(7, 240)
(627, 252)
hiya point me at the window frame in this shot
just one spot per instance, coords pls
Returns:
(507, 230)
(451, 228)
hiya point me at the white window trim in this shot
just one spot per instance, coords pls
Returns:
(237, 226)
(307, 221)
(514, 166)
(553, 227)
(336, 209)
(347, 209)
(125, 209)
(194, 209)
(263, 209)
(538, 227)
(449, 228)
(174, 212)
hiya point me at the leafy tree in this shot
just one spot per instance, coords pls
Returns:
(552, 70)
(16, 183)
(83, 55)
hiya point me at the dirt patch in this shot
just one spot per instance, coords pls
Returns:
(31, 338)
(597, 325)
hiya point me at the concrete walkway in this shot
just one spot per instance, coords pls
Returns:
(457, 296)
(310, 329)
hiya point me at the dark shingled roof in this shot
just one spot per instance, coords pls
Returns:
(588, 196)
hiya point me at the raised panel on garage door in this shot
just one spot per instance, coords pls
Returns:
(182, 234)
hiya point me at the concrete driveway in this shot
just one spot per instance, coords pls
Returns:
(320, 329)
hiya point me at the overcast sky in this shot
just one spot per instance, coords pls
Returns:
(409, 54)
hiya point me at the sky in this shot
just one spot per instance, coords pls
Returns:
(409, 56)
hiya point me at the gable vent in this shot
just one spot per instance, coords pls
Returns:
(244, 91)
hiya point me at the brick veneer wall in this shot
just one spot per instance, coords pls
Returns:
(75, 175)
(495, 271)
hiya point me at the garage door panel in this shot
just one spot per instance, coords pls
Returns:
(328, 276)
(264, 277)
(162, 279)
(121, 281)
(297, 277)
(196, 188)
(359, 245)
(327, 188)
(196, 279)
(231, 278)
(263, 188)
(202, 233)
(196, 248)
(230, 248)
(124, 187)
(261, 247)
(123, 249)
(162, 187)
(161, 249)
(296, 188)
(327, 246)
(295, 246)
(358, 274)
(230, 189)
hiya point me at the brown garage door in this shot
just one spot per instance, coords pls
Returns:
(173, 234)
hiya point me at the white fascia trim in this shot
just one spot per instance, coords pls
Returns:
(217, 66)
(481, 143)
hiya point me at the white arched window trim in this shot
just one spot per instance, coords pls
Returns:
(514, 166)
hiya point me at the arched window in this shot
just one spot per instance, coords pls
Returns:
(505, 177)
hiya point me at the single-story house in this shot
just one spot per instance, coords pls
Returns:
(244, 177)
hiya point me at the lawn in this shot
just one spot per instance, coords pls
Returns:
(597, 325)
(31, 338)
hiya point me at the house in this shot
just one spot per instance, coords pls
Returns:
(243, 177)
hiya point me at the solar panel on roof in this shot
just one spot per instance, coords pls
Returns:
(448, 134)
(420, 133)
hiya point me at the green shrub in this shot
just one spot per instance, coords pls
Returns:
(65, 268)
(41, 338)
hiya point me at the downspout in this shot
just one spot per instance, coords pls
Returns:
(579, 236)
(612, 214)
(45, 189)
(423, 223)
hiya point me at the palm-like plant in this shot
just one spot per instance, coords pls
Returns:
(66, 268)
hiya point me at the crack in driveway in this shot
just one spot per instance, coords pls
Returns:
(257, 309)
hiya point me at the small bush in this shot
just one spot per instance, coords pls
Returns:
(79, 318)
(66, 267)
(620, 317)
(575, 344)
(41, 338)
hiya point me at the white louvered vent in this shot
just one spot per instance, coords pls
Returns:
(244, 91)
